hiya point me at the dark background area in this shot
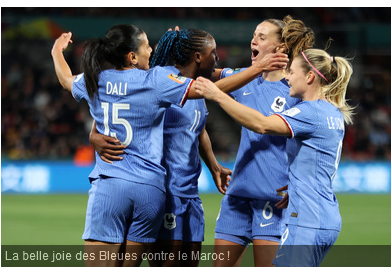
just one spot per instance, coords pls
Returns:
(41, 121)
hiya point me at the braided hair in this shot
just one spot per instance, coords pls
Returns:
(177, 47)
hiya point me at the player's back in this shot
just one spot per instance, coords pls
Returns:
(130, 106)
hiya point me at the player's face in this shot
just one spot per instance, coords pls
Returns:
(265, 40)
(296, 79)
(208, 59)
(143, 53)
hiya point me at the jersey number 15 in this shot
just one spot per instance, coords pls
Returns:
(116, 107)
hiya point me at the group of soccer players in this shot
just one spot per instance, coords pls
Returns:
(293, 127)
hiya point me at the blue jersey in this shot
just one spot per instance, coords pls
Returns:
(130, 106)
(317, 129)
(182, 127)
(261, 165)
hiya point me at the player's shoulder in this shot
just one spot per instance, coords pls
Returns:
(78, 84)
(163, 69)
(230, 71)
(129, 74)
(317, 105)
(302, 108)
(314, 110)
(162, 72)
(79, 78)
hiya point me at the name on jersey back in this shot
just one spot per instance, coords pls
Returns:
(116, 88)
(335, 123)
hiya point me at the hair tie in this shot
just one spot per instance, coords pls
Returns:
(318, 72)
(333, 59)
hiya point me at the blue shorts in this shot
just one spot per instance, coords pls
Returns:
(119, 210)
(242, 220)
(301, 246)
(183, 220)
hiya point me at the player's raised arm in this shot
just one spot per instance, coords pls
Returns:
(63, 71)
(270, 62)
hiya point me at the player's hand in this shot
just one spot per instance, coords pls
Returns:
(222, 178)
(108, 148)
(207, 88)
(62, 42)
(282, 204)
(271, 61)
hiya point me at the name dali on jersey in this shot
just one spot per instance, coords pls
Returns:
(116, 88)
(121, 88)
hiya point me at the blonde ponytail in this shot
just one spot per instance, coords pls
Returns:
(337, 73)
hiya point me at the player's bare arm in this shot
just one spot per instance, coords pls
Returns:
(220, 174)
(108, 148)
(247, 117)
(270, 62)
(63, 71)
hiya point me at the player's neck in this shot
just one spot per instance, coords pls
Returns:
(186, 71)
(274, 76)
(313, 93)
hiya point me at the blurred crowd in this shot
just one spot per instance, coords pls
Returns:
(41, 121)
(323, 15)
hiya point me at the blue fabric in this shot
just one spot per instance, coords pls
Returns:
(119, 209)
(183, 220)
(261, 165)
(130, 105)
(304, 247)
(248, 218)
(314, 155)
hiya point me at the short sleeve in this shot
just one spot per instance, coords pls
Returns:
(79, 90)
(226, 72)
(301, 119)
(170, 87)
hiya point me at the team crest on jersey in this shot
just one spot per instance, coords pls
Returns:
(169, 221)
(179, 79)
(292, 112)
(278, 104)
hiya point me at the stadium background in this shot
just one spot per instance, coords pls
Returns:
(46, 156)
